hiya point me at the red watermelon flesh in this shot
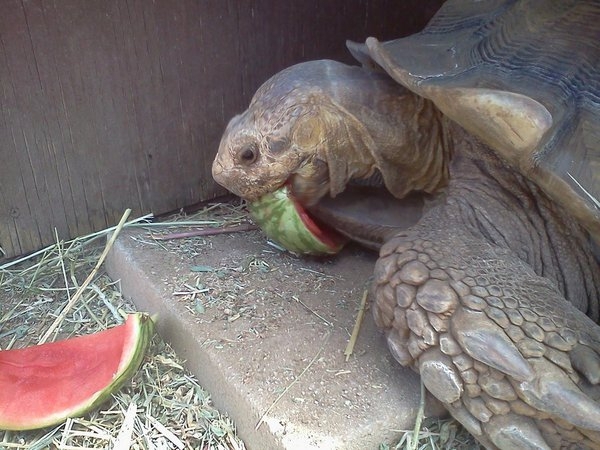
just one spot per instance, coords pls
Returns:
(43, 385)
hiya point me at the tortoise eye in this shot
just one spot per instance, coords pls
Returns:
(248, 155)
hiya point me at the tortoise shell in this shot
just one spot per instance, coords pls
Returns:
(524, 77)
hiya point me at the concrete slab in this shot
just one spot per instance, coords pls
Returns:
(265, 333)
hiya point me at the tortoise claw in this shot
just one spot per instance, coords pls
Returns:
(541, 383)
(587, 362)
(512, 431)
(486, 342)
(554, 392)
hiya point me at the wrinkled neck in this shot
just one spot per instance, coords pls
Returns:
(411, 143)
(364, 123)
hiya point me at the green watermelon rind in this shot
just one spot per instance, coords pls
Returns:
(128, 366)
(276, 214)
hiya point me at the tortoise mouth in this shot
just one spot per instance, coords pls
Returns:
(309, 186)
(328, 235)
(286, 221)
(368, 215)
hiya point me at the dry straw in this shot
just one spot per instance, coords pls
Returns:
(163, 407)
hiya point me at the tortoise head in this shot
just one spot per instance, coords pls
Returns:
(278, 136)
(313, 126)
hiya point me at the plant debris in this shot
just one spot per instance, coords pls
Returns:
(47, 295)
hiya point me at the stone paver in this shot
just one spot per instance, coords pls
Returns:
(254, 334)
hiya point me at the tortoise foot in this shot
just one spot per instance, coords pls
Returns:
(500, 347)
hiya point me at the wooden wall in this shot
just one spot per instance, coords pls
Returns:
(110, 104)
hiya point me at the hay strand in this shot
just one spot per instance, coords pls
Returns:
(88, 280)
(359, 319)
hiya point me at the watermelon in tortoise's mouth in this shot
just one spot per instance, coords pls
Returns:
(284, 220)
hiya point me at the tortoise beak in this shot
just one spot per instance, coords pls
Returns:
(222, 174)
(232, 179)
(217, 170)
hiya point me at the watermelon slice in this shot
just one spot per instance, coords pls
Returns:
(43, 385)
(284, 220)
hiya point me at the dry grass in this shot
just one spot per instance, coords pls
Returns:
(435, 434)
(163, 407)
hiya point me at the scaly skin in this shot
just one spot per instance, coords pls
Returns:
(492, 296)
(473, 298)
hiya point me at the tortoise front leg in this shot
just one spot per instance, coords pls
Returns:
(500, 346)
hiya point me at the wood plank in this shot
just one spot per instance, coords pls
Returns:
(114, 104)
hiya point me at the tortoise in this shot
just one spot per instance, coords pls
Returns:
(492, 115)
